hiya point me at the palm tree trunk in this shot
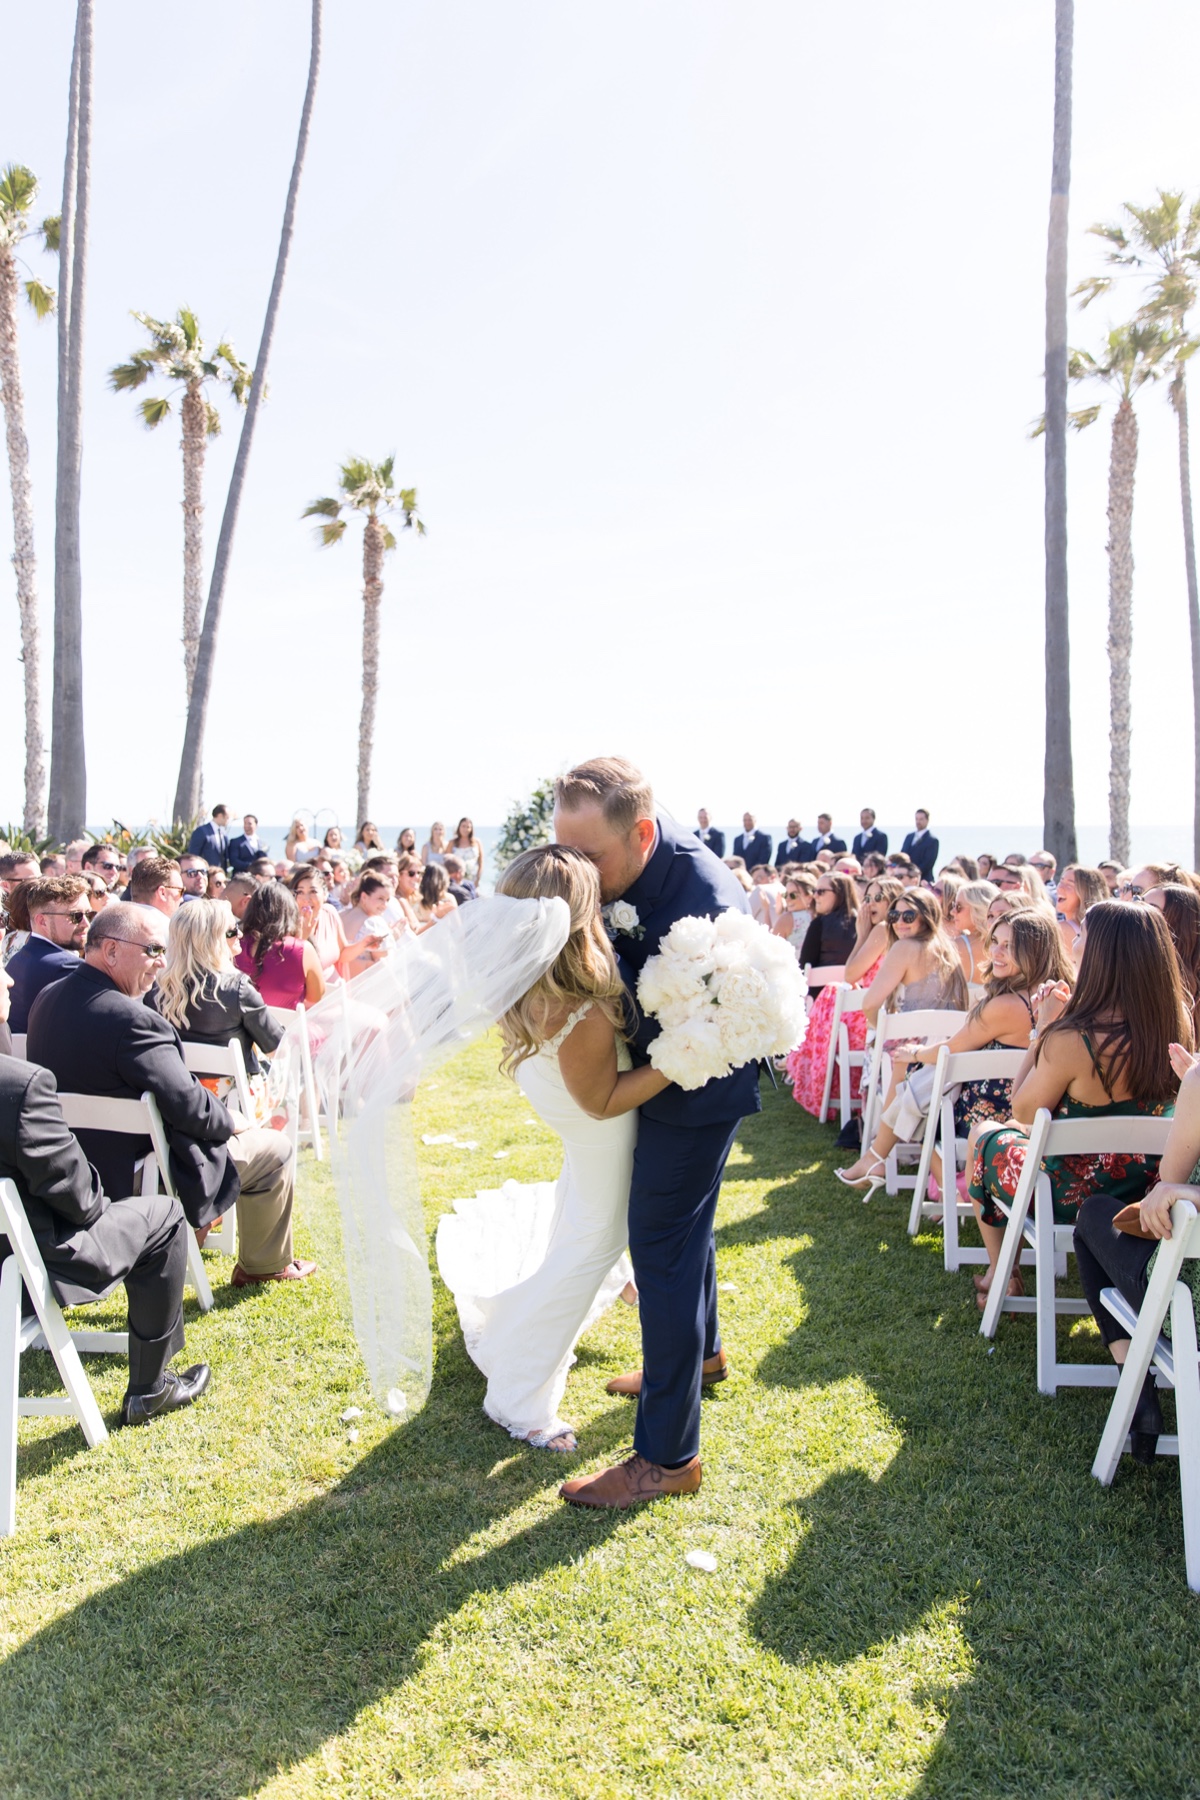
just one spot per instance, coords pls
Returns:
(373, 544)
(1179, 402)
(187, 788)
(1122, 468)
(195, 433)
(23, 557)
(1059, 801)
(68, 766)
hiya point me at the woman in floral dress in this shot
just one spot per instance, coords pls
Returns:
(1102, 1051)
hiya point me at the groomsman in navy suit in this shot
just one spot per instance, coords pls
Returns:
(825, 840)
(211, 841)
(793, 848)
(868, 841)
(752, 845)
(709, 836)
(605, 808)
(59, 917)
(921, 846)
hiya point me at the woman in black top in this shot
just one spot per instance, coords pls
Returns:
(831, 936)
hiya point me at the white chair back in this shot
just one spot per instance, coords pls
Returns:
(227, 1061)
(934, 1025)
(847, 1000)
(949, 1071)
(310, 1126)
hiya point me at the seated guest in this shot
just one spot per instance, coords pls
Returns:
(740, 872)
(945, 889)
(283, 968)
(245, 849)
(368, 841)
(157, 882)
(321, 927)
(1046, 866)
(1180, 907)
(799, 891)
(436, 848)
(1111, 872)
(986, 862)
(1101, 1051)
(339, 882)
(968, 924)
(74, 855)
(211, 840)
(16, 866)
(58, 926)
(367, 917)
(16, 920)
(903, 869)
(98, 896)
(96, 1036)
(53, 865)
(200, 992)
(194, 872)
(830, 942)
(922, 967)
(1078, 889)
(874, 864)
(871, 934)
(436, 899)
(238, 892)
(133, 857)
(967, 867)
(1136, 884)
(262, 869)
(407, 874)
(91, 1244)
(793, 848)
(1111, 1258)
(216, 881)
(766, 896)
(468, 849)
(103, 860)
(708, 833)
(462, 889)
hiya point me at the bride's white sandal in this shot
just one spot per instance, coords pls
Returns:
(562, 1439)
(870, 1180)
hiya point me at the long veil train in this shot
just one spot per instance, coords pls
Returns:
(374, 1040)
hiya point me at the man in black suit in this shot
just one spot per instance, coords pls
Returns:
(921, 846)
(96, 1036)
(868, 839)
(91, 1244)
(752, 845)
(793, 848)
(713, 839)
(211, 840)
(59, 917)
(462, 889)
(825, 839)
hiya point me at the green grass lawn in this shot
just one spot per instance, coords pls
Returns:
(919, 1587)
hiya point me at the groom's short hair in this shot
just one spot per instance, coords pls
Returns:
(616, 786)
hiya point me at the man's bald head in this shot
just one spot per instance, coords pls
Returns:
(127, 943)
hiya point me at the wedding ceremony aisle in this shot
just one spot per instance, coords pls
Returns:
(918, 1586)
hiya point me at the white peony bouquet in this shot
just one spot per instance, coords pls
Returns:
(725, 992)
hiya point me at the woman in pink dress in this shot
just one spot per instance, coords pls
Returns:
(283, 968)
(806, 1066)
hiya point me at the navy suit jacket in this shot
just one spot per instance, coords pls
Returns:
(803, 852)
(834, 844)
(210, 841)
(36, 964)
(712, 839)
(682, 880)
(868, 841)
(924, 852)
(241, 853)
(759, 850)
(96, 1040)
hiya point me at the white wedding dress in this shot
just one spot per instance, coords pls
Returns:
(531, 1265)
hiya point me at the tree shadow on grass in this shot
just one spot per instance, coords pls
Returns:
(207, 1672)
(1067, 1598)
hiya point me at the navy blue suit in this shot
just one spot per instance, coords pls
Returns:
(754, 849)
(712, 838)
(924, 852)
(801, 851)
(870, 842)
(211, 841)
(34, 966)
(683, 1141)
(242, 852)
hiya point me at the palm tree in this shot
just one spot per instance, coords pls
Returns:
(367, 488)
(68, 761)
(1059, 802)
(177, 350)
(18, 188)
(1133, 355)
(187, 787)
(1161, 245)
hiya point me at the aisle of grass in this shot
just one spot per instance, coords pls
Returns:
(919, 1588)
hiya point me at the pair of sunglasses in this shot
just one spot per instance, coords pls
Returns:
(908, 915)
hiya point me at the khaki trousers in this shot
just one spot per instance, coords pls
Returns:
(264, 1208)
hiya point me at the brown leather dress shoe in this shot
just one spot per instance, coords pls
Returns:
(630, 1483)
(295, 1271)
(712, 1369)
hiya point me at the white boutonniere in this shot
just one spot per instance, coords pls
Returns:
(621, 920)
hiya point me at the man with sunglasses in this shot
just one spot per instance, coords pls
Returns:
(103, 860)
(59, 917)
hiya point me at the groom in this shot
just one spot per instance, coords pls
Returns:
(605, 808)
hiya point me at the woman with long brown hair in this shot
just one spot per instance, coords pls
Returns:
(1180, 907)
(829, 943)
(530, 1267)
(1078, 889)
(1101, 1051)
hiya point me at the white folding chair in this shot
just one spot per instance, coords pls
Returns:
(1176, 1362)
(824, 977)
(18, 1044)
(47, 1329)
(138, 1118)
(934, 1026)
(1127, 1134)
(287, 1016)
(224, 1060)
(940, 1131)
(848, 999)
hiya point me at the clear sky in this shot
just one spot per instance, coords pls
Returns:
(709, 333)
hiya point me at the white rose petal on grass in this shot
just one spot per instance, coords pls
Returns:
(438, 1137)
(351, 1412)
(352, 1436)
(499, 1155)
(397, 1401)
(701, 1559)
(727, 1287)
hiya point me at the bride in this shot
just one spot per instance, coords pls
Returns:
(531, 1266)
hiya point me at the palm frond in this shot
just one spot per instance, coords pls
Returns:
(18, 185)
(1112, 234)
(40, 297)
(332, 534)
(51, 231)
(1091, 289)
(155, 410)
(189, 325)
(133, 374)
(1086, 415)
(212, 420)
(326, 508)
(389, 539)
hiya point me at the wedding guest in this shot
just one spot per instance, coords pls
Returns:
(922, 967)
(969, 926)
(157, 882)
(245, 849)
(193, 872)
(467, 847)
(708, 834)
(339, 882)
(74, 855)
(211, 841)
(283, 968)
(299, 847)
(262, 869)
(96, 1036)
(58, 924)
(986, 861)
(903, 869)
(751, 844)
(831, 936)
(799, 891)
(1136, 885)
(98, 896)
(793, 848)
(740, 872)
(202, 994)
(874, 864)
(102, 859)
(766, 895)
(332, 839)
(321, 926)
(1046, 866)
(367, 842)
(869, 841)
(238, 893)
(872, 934)
(406, 843)
(1078, 889)
(968, 868)
(1102, 1051)
(946, 889)
(825, 838)
(1111, 872)
(16, 920)
(17, 866)
(462, 889)
(53, 865)
(215, 884)
(921, 845)
(436, 899)
(367, 917)
(435, 849)
(1180, 906)
(848, 865)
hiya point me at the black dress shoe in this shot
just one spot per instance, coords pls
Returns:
(1146, 1425)
(176, 1391)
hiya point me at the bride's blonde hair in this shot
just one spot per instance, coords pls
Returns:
(584, 969)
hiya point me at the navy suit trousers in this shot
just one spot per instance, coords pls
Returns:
(672, 1202)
